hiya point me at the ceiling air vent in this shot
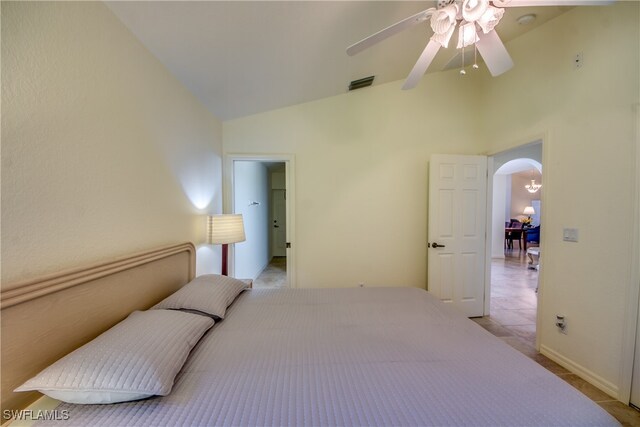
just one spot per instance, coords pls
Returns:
(357, 84)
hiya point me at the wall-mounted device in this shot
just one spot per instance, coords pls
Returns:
(570, 235)
(561, 323)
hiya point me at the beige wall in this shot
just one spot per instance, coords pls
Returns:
(103, 151)
(587, 119)
(361, 175)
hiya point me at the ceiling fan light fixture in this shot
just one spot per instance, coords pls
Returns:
(477, 21)
(490, 18)
(467, 35)
(444, 38)
(472, 10)
(443, 24)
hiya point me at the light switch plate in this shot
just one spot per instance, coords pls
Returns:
(570, 234)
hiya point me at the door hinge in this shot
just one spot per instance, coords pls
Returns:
(288, 245)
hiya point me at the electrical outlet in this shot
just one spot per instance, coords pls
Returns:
(570, 234)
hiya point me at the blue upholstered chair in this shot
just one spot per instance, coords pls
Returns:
(533, 235)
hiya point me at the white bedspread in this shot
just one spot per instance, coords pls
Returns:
(362, 356)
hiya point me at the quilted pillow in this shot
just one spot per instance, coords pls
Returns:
(137, 358)
(210, 294)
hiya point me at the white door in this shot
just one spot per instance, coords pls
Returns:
(457, 223)
(279, 224)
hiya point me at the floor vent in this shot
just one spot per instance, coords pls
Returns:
(357, 84)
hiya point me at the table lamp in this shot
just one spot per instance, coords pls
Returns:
(529, 211)
(223, 230)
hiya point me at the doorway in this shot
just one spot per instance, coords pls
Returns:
(274, 274)
(261, 189)
(515, 246)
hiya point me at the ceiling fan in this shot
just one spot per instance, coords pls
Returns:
(476, 21)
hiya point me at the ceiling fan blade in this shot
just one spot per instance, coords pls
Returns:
(494, 53)
(528, 3)
(388, 32)
(421, 66)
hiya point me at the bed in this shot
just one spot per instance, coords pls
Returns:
(357, 356)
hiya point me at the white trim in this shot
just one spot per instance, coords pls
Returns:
(228, 206)
(590, 377)
(291, 220)
(629, 332)
(488, 238)
(547, 146)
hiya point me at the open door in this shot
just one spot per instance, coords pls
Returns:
(457, 224)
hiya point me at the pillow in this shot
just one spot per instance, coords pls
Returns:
(210, 294)
(137, 358)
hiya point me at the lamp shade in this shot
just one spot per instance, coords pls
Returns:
(224, 229)
(529, 210)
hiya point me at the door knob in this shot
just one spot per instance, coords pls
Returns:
(435, 245)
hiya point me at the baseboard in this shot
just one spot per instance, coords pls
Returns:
(590, 377)
(261, 269)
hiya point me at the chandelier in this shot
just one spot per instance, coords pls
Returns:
(533, 187)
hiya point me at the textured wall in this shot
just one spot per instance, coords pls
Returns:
(361, 175)
(103, 151)
(586, 117)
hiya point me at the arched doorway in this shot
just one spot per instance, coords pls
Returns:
(513, 285)
(505, 207)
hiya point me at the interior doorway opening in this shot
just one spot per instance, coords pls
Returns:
(515, 241)
(259, 188)
(274, 275)
(260, 196)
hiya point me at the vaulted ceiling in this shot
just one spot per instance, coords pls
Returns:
(244, 57)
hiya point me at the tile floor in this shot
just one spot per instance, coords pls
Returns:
(274, 275)
(513, 319)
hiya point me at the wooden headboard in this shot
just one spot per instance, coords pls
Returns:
(46, 318)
